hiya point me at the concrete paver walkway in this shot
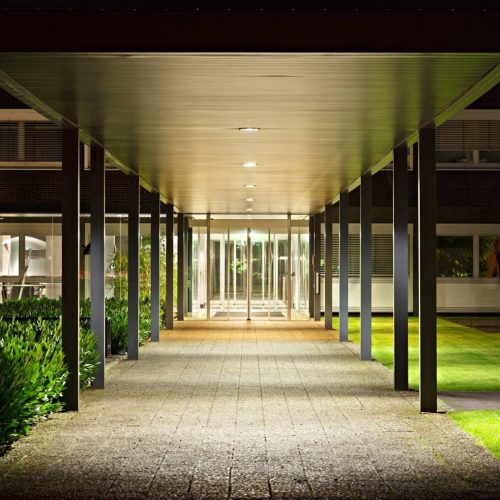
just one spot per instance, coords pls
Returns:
(240, 409)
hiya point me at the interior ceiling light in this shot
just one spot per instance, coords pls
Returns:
(249, 129)
(250, 186)
(249, 199)
(249, 209)
(249, 164)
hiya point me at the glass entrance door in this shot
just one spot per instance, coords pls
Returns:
(261, 274)
(253, 273)
(237, 274)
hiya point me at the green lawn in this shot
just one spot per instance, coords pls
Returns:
(484, 425)
(468, 359)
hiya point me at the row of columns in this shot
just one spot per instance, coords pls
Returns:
(424, 296)
(71, 249)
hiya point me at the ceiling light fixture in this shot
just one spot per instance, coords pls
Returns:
(249, 199)
(249, 129)
(249, 164)
(249, 209)
(250, 186)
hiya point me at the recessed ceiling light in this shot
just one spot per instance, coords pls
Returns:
(249, 199)
(249, 164)
(250, 186)
(249, 129)
(249, 209)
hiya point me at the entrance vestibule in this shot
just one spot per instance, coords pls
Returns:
(252, 268)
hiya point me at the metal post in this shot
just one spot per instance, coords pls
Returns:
(400, 267)
(343, 266)
(228, 272)
(71, 266)
(190, 269)
(289, 271)
(427, 267)
(415, 236)
(155, 266)
(328, 265)
(97, 271)
(249, 275)
(209, 270)
(133, 266)
(317, 267)
(366, 266)
(311, 266)
(169, 292)
(180, 266)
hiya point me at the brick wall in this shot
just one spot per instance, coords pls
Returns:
(40, 192)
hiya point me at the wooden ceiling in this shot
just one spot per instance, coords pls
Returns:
(174, 118)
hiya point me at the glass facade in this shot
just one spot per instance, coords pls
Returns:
(454, 256)
(489, 256)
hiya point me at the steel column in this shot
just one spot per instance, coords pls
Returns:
(289, 270)
(133, 266)
(366, 266)
(155, 266)
(311, 266)
(71, 266)
(415, 234)
(317, 267)
(209, 270)
(343, 266)
(169, 292)
(190, 269)
(180, 266)
(427, 267)
(400, 267)
(328, 266)
(97, 271)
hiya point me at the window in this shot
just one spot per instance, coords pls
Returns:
(9, 255)
(454, 256)
(35, 253)
(382, 260)
(489, 256)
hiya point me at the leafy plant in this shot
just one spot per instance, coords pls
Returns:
(35, 314)
(32, 376)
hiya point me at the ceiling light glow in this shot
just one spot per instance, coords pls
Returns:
(250, 199)
(249, 164)
(249, 209)
(249, 129)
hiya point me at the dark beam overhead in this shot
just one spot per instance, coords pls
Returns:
(163, 31)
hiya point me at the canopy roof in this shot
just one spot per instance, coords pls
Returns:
(324, 118)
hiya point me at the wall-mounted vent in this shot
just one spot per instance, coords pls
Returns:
(8, 141)
(468, 135)
(381, 255)
(43, 142)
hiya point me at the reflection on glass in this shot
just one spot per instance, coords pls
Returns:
(454, 256)
(34, 255)
(9, 255)
(489, 256)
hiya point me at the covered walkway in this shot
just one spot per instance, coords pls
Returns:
(249, 409)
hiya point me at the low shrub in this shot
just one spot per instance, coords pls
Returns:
(32, 376)
(89, 358)
(116, 311)
(31, 308)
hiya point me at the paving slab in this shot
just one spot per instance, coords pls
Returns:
(471, 400)
(262, 409)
